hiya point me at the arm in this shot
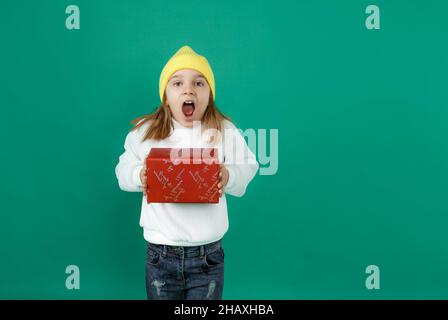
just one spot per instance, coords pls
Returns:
(239, 161)
(129, 166)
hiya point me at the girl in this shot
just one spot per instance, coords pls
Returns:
(185, 258)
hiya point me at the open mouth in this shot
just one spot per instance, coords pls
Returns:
(188, 108)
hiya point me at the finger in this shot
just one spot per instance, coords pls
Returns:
(220, 193)
(219, 185)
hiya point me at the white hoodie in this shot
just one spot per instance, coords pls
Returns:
(186, 224)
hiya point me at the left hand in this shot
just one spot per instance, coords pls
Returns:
(223, 179)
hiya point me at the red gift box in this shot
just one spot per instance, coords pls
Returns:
(188, 175)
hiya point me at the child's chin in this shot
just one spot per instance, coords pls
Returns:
(189, 118)
(187, 122)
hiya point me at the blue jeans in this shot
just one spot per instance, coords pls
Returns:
(185, 273)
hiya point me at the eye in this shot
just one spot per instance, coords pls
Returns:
(177, 83)
(200, 83)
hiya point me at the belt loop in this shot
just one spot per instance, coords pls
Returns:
(164, 250)
(201, 248)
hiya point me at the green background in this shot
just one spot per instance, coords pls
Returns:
(363, 153)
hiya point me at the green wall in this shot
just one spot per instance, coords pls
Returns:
(363, 153)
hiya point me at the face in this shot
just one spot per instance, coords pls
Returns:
(187, 94)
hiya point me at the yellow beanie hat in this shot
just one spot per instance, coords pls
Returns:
(186, 58)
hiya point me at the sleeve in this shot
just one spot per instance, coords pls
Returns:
(129, 166)
(239, 161)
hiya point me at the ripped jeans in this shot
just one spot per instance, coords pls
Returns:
(185, 273)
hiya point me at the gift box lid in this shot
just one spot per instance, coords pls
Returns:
(190, 155)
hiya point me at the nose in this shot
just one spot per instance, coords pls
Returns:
(188, 89)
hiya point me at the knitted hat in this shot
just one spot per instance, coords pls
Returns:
(186, 58)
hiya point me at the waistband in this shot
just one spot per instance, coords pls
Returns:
(186, 252)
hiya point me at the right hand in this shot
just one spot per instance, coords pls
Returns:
(143, 178)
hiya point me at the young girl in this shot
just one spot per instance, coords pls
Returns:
(185, 258)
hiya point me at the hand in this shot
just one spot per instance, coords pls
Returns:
(223, 178)
(143, 178)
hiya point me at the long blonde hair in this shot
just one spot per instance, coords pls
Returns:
(161, 126)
